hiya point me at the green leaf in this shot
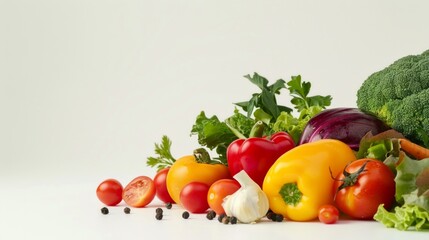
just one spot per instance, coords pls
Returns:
(164, 157)
(277, 86)
(258, 80)
(403, 217)
(269, 103)
(407, 172)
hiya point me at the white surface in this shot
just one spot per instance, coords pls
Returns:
(87, 87)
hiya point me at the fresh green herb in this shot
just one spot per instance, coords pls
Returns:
(299, 91)
(217, 135)
(214, 134)
(266, 99)
(164, 158)
(307, 107)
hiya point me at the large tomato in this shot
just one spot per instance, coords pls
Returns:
(363, 186)
(109, 192)
(193, 197)
(160, 181)
(139, 192)
(218, 191)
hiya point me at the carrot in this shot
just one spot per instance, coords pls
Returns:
(417, 151)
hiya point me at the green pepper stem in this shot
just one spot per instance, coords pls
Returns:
(291, 194)
(202, 156)
(257, 129)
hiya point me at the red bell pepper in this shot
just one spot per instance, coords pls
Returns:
(255, 155)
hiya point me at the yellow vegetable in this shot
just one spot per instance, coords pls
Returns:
(300, 181)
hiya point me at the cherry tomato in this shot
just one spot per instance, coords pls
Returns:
(109, 192)
(328, 214)
(161, 186)
(193, 197)
(218, 191)
(139, 192)
(371, 183)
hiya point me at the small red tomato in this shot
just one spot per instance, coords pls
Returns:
(193, 197)
(328, 214)
(139, 192)
(161, 186)
(218, 191)
(363, 186)
(109, 192)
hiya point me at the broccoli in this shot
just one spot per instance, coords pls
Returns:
(399, 95)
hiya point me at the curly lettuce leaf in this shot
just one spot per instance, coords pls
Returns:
(404, 217)
(217, 135)
(407, 172)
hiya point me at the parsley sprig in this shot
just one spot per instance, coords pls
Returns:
(164, 157)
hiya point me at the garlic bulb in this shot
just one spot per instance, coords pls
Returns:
(249, 203)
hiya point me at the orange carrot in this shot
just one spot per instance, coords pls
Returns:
(415, 150)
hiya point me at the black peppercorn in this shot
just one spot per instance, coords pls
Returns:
(211, 214)
(233, 220)
(168, 205)
(127, 210)
(158, 211)
(225, 220)
(221, 216)
(104, 210)
(158, 216)
(270, 215)
(278, 218)
(185, 215)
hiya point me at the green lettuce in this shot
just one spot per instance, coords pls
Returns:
(412, 195)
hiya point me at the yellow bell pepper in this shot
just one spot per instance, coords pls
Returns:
(300, 181)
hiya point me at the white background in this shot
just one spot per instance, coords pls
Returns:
(88, 86)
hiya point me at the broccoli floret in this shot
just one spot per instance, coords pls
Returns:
(399, 95)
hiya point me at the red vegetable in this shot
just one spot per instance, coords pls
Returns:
(139, 192)
(160, 181)
(328, 214)
(255, 155)
(348, 125)
(193, 197)
(363, 186)
(109, 192)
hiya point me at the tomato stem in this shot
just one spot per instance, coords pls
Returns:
(350, 179)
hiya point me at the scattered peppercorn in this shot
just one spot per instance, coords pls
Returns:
(270, 215)
(104, 210)
(159, 216)
(225, 220)
(158, 211)
(221, 216)
(278, 218)
(233, 220)
(211, 214)
(185, 215)
(168, 205)
(127, 210)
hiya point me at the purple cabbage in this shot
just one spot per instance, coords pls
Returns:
(348, 125)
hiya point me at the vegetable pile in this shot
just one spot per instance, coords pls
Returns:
(302, 161)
